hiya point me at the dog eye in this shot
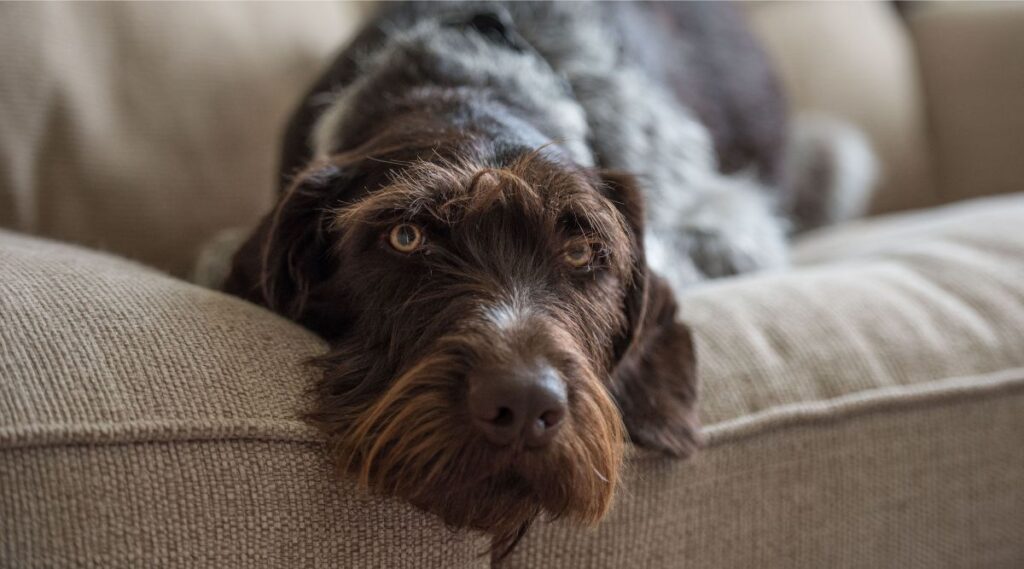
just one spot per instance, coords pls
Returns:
(579, 253)
(405, 237)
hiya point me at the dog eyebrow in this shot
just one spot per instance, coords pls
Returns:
(440, 195)
(575, 223)
(591, 215)
(403, 199)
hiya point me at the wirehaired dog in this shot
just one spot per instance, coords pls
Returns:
(487, 209)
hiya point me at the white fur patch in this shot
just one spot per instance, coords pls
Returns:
(507, 315)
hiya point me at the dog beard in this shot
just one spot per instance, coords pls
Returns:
(416, 441)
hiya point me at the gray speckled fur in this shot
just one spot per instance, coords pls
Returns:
(603, 111)
(525, 80)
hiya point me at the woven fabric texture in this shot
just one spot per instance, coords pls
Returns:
(930, 484)
(865, 411)
(148, 422)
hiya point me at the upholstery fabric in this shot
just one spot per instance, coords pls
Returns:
(921, 483)
(145, 128)
(863, 409)
(148, 422)
(970, 54)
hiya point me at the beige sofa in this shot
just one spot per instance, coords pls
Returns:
(863, 409)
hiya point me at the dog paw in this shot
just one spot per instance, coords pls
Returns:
(830, 172)
(735, 232)
(721, 254)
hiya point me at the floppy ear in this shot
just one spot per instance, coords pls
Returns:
(286, 261)
(655, 380)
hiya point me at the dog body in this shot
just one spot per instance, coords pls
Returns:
(677, 94)
(486, 209)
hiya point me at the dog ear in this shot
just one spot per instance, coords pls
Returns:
(287, 259)
(655, 380)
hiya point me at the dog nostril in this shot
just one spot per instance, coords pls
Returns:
(505, 417)
(551, 418)
(542, 429)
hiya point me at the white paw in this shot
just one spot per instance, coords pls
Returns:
(730, 228)
(734, 230)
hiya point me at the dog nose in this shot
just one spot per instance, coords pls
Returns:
(524, 403)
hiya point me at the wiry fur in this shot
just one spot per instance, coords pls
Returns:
(602, 108)
(392, 399)
(506, 132)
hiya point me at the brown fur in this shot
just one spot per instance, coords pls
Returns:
(492, 127)
(406, 330)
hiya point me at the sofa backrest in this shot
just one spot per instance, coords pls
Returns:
(146, 128)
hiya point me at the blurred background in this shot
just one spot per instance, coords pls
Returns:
(144, 128)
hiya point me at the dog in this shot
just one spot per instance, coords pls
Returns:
(488, 210)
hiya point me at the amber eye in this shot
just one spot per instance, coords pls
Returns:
(579, 253)
(405, 237)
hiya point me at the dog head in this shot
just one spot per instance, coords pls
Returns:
(495, 331)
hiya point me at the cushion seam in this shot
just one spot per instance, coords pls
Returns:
(930, 394)
(920, 395)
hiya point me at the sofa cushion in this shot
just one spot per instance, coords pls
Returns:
(863, 409)
(882, 303)
(145, 421)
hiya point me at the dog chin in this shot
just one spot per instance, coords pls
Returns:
(501, 491)
(516, 487)
(414, 442)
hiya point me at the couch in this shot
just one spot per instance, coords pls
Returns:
(864, 408)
